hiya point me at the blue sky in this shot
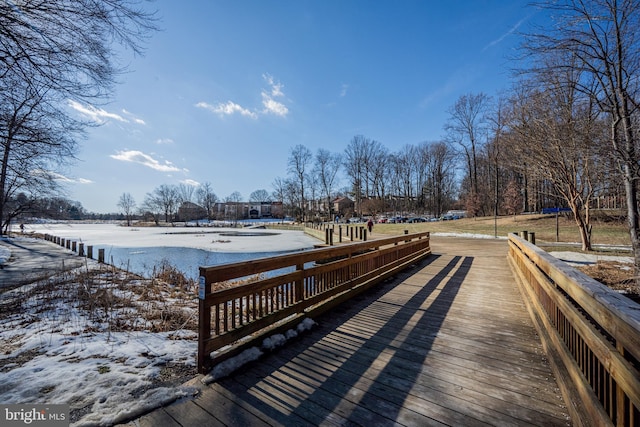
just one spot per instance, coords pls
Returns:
(227, 88)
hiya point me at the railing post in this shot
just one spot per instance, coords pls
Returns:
(101, 256)
(204, 325)
(90, 251)
(81, 249)
(330, 236)
(326, 236)
(524, 235)
(340, 233)
(532, 237)
(299, 285)
(73, 245)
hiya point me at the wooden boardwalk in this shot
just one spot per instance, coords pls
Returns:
(447, 343)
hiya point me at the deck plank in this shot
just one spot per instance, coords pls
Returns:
(448, 342)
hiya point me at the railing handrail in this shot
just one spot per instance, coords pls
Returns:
(230, 316)
(594, 330)
(618, 315)
(229, 271)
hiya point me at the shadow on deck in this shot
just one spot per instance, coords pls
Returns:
(447, 342)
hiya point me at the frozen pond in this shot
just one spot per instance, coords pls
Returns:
(140, 249)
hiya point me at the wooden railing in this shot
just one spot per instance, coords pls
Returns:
(291, 287)
(590, 333)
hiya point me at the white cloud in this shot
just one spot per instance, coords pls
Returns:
(227, 109)
(190, 182)
(135, 156)
(59, 177)
(101, 116)
(505, 35)
(134, 118)
(272, 106)
(161, 141)
(269, 102)
(343, 91)
(276, 87)
(98, 115)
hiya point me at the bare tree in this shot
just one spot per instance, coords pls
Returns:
(260, 196)
(66, 46)
(467, 128)
(127, 204)
(279, 185)
(406, 171)
(362, 163)
(326, 169)
(206, 198)
(604, 35)
(185, 192)
(299, 162)
(441, 181)
(36, 137)
(284, 191)
(560, 137)
(164, 199)
(512, 198)
(498, 123)
(378, 174)
(152, 205)
(234, 201)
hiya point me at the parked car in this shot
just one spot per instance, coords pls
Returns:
(382, 220)
(398, 219)
(417, 219)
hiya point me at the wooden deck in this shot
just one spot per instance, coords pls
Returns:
(447, 343)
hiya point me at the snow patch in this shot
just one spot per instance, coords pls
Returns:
(5, 254)
(225, 368)
(231, 365)
(469, 236)
(274, 341)
(577, 259)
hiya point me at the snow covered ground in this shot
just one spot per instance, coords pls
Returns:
(107, 362)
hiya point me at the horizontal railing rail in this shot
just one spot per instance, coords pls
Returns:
(281, 290)
(591, 333)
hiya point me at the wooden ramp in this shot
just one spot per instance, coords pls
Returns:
(448, 343)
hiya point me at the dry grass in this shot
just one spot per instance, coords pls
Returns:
(110, 300)
(615, 275)
(608, 229)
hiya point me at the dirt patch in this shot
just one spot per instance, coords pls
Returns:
(10, 363)
(616, 276)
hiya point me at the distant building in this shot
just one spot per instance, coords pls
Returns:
(266, 210)
(189, 211)
(341, 205)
